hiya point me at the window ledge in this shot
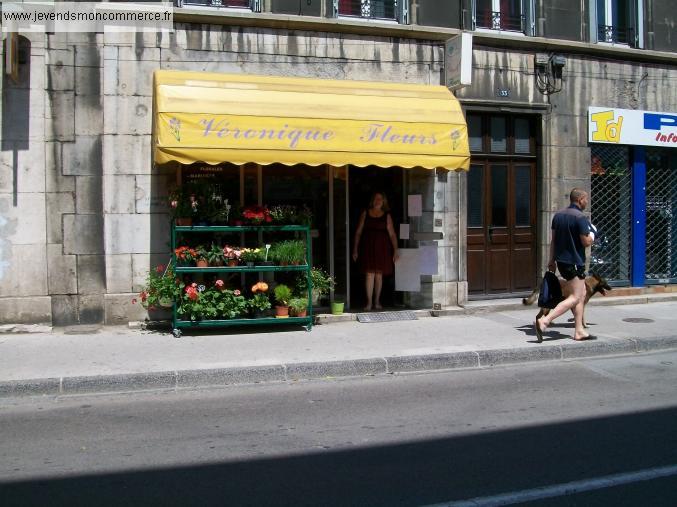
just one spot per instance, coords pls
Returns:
(343, 25)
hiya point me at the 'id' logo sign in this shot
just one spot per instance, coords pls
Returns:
(608, 129)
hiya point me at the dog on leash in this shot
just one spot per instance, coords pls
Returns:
(593, 284)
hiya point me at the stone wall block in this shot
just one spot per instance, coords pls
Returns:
(91, 309)
(88, 55)
(118, 273)
(88, 115)
(30, 169)
(24, 223)
(151, 193)
(136, 233)
(55, 181)
(58, 204)
(88, 194)
(127, 154)
(26, 310)
(134, 77)
(127, 115)
(91, 274)
(25, 273)
(141, 263)
(83, 157)
(119, 193)
(83, 234)
(64, 310)
(569, 162)
(60, 77)
(120, 310)
(60, 57)
(62, 271)
(60, 116)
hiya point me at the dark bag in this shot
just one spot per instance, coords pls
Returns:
(551, 291)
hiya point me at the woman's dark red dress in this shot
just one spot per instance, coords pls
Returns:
(376, 251)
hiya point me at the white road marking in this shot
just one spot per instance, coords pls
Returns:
(569, 488)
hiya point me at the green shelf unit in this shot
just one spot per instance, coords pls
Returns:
(307, 322)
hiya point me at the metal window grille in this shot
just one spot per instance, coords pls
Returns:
(611, 212)
(369, 9)
(661, 216)
(496, 20)
(238, 4)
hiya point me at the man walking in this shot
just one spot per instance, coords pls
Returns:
(571, 234)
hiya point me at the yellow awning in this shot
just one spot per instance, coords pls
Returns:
(215, 118)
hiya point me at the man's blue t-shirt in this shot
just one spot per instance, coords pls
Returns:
(569, 224)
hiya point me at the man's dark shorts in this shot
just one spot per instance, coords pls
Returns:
(569, 271)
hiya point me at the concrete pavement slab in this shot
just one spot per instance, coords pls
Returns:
(117, 358)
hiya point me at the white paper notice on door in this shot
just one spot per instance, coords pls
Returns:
(428, 259)
(415, 205)
(404, 231)
(407, 270)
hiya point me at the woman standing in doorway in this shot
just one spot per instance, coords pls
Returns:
(375, 235)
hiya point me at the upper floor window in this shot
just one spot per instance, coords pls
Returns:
(253, 5)
(616, 21)
(505, 15)
(384, 10)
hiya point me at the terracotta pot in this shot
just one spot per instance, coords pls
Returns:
(259, 314)
(303, 313)
(217, 264)
(284, 263)
(202, 263)
(232, 263)
(184, 222)
(281, 312)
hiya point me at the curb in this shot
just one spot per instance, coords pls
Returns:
(187, 379)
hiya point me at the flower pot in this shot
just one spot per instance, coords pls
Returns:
(259, 314)
(302, 313)
(217, 264)
(337, 308)
(281, 312)
(316, 297)
(265, 263)
(202, 263)
(250, 264)
(232, 263)
(184, 222)
(284, 263)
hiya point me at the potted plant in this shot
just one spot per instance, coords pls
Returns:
(251, 255)
(191, 304)
(215, 255)
(202, 260)
(232, 255)
(161, 288)
(296, 252)
(256, 215)
(229, 304)
(282, 296)
(322, 284)
(221, 213)
(299, 306)
(259, 304)
(183, 205)
(185, 255)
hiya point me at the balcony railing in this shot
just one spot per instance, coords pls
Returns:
(615, 34)
(369, 9)
(494, 20)
(237, 4)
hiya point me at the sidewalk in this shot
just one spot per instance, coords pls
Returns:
(120, 359)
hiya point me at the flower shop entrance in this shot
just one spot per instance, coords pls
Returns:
(280, 140)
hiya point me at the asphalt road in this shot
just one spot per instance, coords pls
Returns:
(420, 439)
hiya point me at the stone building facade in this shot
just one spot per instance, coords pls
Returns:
(83, 213)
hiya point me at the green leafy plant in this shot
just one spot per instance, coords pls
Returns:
(198, 301)
(298, 305)
(221, 212)
(283, 294)
(215, 255)
(289, 252)
(259, 302)
(252, 254)
(161, 288)
(183, 202)
(321, 281)
(202, 252)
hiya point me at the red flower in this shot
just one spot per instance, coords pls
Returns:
(160, 269)
(144, 296)
(237, 292)
(194, 285)
(134, 301)
(219, 283)
(192, 293)
(269, 218)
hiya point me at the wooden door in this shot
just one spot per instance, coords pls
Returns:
(501, 227)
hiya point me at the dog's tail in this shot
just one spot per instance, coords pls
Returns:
(533, 297)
